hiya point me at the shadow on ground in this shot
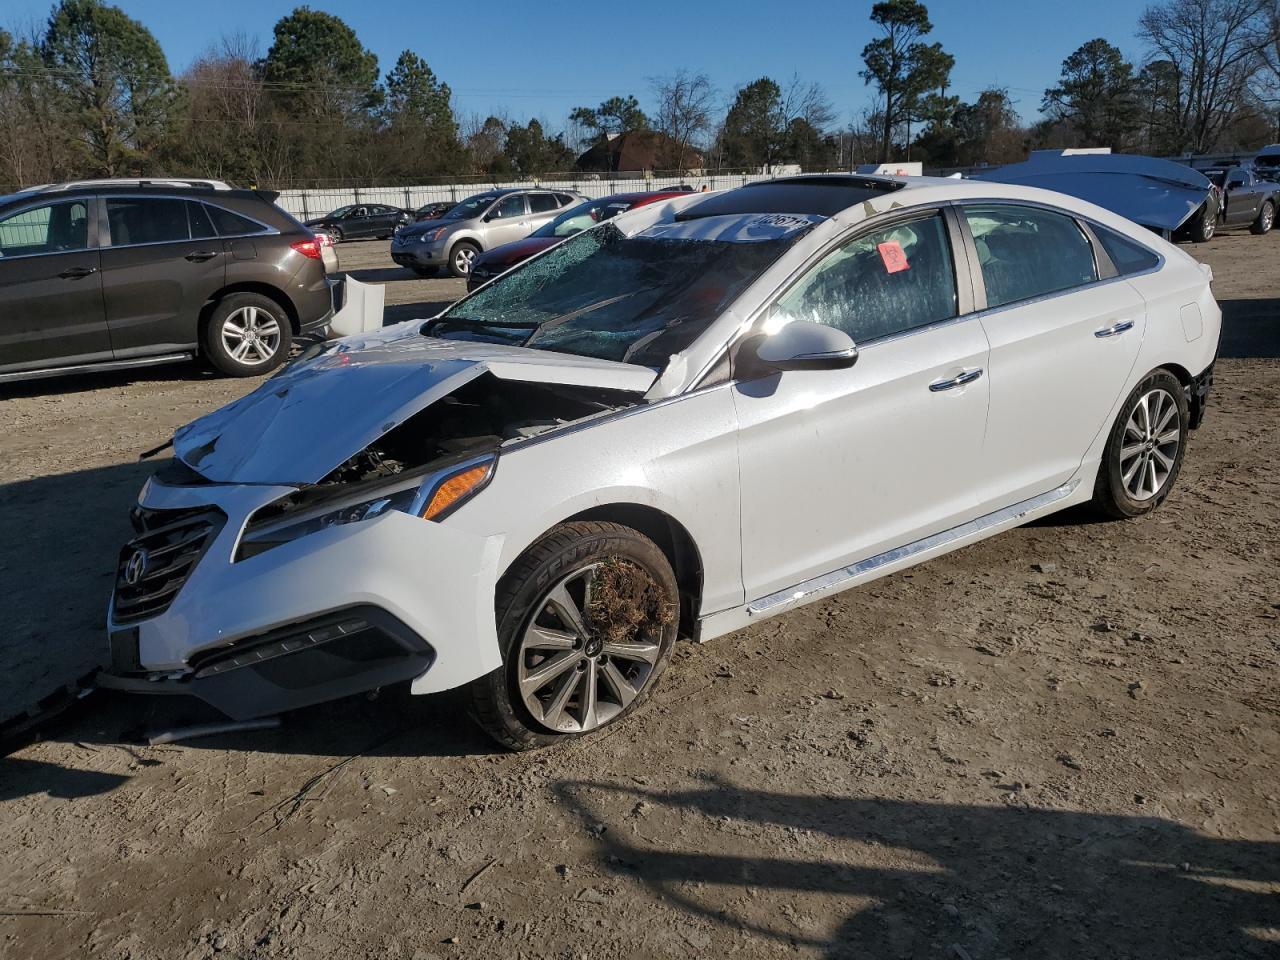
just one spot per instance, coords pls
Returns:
(1250, 328)
(938, 880)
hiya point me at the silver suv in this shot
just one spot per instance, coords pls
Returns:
(478, 223)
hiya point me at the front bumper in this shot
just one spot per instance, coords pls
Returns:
(418, 254)
(344, 610)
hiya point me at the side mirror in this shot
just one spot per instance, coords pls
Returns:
(805, 345)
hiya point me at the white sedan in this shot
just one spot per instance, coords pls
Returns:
(697, 415)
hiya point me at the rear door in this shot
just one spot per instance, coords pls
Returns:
(543, 208)
(1063, 344)
(160, 264)
(51, 311)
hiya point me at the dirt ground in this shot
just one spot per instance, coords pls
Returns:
(1061, 742)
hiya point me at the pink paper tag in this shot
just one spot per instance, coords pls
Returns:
(893, 257)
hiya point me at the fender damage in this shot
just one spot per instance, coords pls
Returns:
(258, 623)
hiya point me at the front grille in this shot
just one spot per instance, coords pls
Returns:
(154, 566)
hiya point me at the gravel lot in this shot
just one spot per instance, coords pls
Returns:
(1062, 742)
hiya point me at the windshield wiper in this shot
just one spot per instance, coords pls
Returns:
(466, 323)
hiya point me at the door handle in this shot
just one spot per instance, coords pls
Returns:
(960, 380)
(1117, 328)
(199, 256)
(76, 273)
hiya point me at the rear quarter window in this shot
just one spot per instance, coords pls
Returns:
(1129, 256)
(232, 224)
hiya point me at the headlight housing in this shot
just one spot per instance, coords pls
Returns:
(430, 236)
(432, 498)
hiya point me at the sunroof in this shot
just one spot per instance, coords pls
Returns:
(821, 196)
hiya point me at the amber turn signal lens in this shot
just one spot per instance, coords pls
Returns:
(456, 488)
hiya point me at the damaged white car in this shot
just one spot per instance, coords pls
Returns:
(689, 418)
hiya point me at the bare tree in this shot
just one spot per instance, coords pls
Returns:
(1215, 48)
(685, 101)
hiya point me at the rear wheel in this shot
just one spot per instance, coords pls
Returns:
(462, 256)
(1143, 455)
(1202, 230)
(247, 334)
(587, 618)
(1266, 218)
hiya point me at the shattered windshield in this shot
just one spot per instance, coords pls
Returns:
(636, 299)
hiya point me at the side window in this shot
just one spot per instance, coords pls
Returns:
(565, 199)
(1028, 252)
(231, 224)
(146, 220)
(897, 278)
(51, 228)
(1129, 256)
(201, 225)
(542, 203)
(509, 207)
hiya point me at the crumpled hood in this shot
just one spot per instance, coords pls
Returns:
(318, 412)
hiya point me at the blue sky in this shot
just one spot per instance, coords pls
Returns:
(540, 60)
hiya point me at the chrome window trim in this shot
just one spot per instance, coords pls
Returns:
(266, 231)
(46, 200)
(959, 266)
(973, 270)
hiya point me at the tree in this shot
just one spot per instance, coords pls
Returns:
(1096, 97)
(615, 115)
(317, 67)
(111, 80)
(901, 65)
(532, 152)
(414, 94)
(751, 133)
(684, 102)
(1215, 49)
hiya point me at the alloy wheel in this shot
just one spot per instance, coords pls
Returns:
(1267, 216)
(251, 336)
(463, 259)
(1150, 447)
(570, 677)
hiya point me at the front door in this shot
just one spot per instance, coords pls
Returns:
(1062, 346)
(506, 221)
(161, 267)
(838, 466)
(51, 311)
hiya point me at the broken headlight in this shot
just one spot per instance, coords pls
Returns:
(431, 498)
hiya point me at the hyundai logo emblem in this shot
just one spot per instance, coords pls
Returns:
(135, 568)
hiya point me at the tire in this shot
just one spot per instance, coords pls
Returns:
(1266, 219)
(461, 257)
(224, 335)
(336, 234)
(1130, 479)
(558, 565)
(1203, 229)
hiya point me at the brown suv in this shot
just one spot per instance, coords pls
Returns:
(126, 273)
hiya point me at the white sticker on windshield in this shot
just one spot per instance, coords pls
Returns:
(734, 228)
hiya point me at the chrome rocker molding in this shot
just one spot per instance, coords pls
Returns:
(774, 602)
(98, 367)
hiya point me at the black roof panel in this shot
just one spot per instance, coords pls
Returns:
(822, 195)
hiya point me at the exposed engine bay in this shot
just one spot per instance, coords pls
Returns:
(480, 416)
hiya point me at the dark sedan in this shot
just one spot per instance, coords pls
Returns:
(358, 221)
(432, 211)
(574, 220)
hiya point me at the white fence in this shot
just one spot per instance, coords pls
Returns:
(314, 203)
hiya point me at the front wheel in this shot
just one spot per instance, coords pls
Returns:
(1143, 455)
(336, 234)
(462, 256)
(1266, 219)
(247, 334)
(587, 617)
